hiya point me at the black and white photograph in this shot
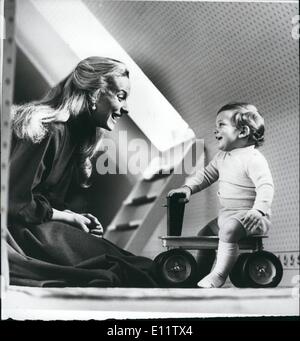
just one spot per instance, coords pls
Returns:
(149, 162)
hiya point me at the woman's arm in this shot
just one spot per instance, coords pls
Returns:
(72, 218)
(29, 167)
(29, 164)
(85, 221)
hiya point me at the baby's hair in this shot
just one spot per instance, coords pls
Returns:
(245, 114)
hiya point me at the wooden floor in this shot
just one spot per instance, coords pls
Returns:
(120, 303)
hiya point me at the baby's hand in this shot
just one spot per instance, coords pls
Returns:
(184, 192)
(252, 219)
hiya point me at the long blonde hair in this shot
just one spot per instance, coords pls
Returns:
(67, 101)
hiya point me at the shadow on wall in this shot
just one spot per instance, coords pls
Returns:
(108, 191)
(102, 199)
(29, 83)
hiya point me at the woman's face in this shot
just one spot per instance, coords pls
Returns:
(112, 104)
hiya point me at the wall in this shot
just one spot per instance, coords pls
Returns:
(203, 55)
(29, 83)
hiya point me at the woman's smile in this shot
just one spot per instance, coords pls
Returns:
(116, 116)
(112, 105)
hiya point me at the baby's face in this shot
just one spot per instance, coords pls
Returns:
(226, 133)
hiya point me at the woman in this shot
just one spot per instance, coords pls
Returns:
(54, 141)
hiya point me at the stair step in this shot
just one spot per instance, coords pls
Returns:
(132, 225)
(144, 199)
(159, 175)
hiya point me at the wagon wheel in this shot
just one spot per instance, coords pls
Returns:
(176, 268)
(262, 270)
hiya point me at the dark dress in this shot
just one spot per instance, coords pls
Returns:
(43, 252)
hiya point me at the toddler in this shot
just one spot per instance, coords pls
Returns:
(245, 185)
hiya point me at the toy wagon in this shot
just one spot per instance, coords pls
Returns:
(255, 268)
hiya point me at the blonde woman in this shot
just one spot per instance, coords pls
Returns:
(53, 141)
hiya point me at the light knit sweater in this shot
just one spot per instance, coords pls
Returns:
(245, 180)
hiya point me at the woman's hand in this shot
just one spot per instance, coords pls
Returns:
(84, 221)
(77, 220)
(95, 226)
(183, 192)
(252, 219)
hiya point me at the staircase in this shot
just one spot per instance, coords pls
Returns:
(143, 209)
